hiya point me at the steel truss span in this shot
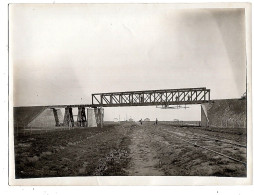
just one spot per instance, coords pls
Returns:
(152, 97)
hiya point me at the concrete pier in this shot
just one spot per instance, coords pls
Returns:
(95, 117)
(204, 115)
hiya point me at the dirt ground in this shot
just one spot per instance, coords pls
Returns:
(131, 149)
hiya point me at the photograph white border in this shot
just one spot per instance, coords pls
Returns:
(151, 180)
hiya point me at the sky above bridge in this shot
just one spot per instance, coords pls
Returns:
(61, 54)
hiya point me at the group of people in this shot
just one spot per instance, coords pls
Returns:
(156, 121)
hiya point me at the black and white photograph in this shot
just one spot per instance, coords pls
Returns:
(129, 90)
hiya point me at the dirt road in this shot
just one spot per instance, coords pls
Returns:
(142, 154)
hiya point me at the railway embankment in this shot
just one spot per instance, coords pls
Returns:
(228, 113)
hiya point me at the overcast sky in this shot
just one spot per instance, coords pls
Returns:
(62, 53)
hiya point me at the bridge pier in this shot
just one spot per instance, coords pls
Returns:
(56, 116)
(204, 115)
(95, 117)
(68, 117)
(81, 119)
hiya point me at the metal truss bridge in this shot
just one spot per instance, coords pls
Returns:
(163, 97)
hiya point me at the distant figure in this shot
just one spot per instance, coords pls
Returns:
(156, 121)
(140, 121)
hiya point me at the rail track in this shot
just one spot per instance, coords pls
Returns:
(205, 142)
(215, 138)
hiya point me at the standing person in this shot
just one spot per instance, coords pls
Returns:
(140, 121)
(156, 121)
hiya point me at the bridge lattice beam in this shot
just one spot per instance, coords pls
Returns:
(152, 97)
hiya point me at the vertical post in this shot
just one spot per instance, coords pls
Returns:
(56, 116)
(83, 115)
(79, 117)
(66, 117)
(101, 118)
(71, 117)
(87, 120)
(166, 103)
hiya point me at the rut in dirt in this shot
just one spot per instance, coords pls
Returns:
(143, 156)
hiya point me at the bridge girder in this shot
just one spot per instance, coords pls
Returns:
(152, 97)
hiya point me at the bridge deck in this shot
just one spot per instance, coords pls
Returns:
(145, 98)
